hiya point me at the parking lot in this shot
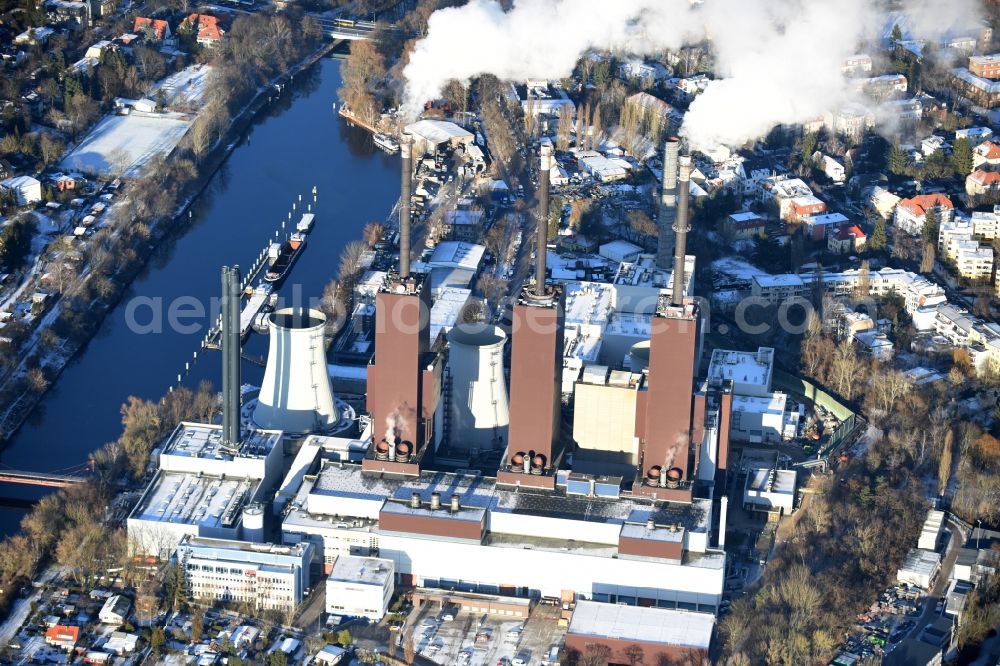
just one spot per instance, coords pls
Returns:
(478, 640)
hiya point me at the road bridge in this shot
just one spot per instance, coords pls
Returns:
(46, 479)
(349, 29)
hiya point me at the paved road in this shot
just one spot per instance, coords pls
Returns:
(22, 607)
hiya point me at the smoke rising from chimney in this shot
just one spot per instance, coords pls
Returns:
(776, 62)
(394, 425)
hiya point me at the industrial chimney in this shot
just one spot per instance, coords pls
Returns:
(668, 204)
(479, 411)
(405, 184)
(681, 227)
(542, 221)
(296, 396)
(230, 342)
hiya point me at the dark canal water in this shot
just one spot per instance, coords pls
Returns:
(298, 143)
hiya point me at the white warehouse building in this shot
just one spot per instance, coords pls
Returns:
(360, 587)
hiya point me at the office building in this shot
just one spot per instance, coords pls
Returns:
(263, 576)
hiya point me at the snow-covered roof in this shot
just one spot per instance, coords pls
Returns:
(438, 131)
(647, 625)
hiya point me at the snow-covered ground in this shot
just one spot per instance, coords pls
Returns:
(126, 143)
(185, 89)
(736, 268)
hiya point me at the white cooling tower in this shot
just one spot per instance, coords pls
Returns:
(296, 396)
(478, 400)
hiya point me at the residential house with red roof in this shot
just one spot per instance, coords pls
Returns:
(846, 239)
(911, 213)
(62, 637)
(986, 153)
(796, 208)
(982, 182)
(157, 29)
(205, 27)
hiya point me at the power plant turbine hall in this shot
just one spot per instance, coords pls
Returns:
(296, 396)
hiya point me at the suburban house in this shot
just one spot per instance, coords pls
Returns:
(883, 201)
(817, 227)
(744, 225)
(911, 213)
(846, 240)
(797, 208)
(205, 28)
(986, 153)
(62, 637)
(116, 610)
(834, 170)
(982, 182)
(27, 190)
(156, 29)
(63, 182)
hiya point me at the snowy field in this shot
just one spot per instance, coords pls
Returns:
(736, 268)
(185, 90)
(126, 143)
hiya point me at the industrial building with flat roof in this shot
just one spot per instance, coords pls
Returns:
(203, 487)
(919, 568)
(466, 532)
(750, 372)
(360, 587)
(656, 631)
(758, 414)
(770, 490)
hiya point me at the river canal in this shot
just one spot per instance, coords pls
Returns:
(297, 143)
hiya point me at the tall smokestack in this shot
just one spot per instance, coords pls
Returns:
(542, 231)
(230, 340)
(405, 178)
(681, 227)
(668, 204)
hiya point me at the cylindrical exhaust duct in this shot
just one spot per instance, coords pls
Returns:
(253, 523)
(674, 476)
(229, 337)
(296, 396)
(638, 355)
(479, 403)
(542, 228)
(681, 227)
(405, 184)
(668, 204)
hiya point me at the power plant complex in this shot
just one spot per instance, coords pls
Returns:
(543, 462)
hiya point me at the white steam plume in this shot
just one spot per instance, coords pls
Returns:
(776, 61)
